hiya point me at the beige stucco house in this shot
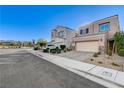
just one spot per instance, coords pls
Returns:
(94, 37)
(97, 36)
(62, 36)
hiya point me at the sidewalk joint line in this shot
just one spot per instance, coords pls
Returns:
(92, 67)
(116, 76)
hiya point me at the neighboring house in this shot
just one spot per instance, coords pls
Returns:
(62, 36)
(97, 36)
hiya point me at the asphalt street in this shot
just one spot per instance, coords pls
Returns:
(24, 70)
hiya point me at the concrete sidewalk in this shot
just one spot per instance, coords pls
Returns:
(104, 76)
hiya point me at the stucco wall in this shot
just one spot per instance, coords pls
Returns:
(94, 27)
(114, 25)
(101, 38)
(66, 40)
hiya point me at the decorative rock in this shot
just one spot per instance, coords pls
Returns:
(106, 56)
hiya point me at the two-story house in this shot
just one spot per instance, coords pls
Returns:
(97, 36)
(62, 36)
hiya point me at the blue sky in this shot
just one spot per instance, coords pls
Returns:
(34, 22)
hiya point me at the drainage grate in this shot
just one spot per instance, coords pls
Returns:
(105, 73)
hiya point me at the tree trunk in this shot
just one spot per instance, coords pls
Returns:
(113, 48)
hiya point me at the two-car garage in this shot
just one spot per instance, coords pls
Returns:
(87, 46)
(91, 43)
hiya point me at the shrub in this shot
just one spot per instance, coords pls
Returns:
(64, 50)
(119, 40)
(53, 50)
(121, 52)
(95, 55)
(92, 59)
(99, 53)
(100, 62)
(114, 64)
(109, 52)
(46, 50)
(62, 47)
(58, 50)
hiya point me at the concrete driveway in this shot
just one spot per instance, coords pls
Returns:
(77, 55)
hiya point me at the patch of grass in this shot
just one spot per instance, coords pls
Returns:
(114, 64)
(92, 59)
(100, 62)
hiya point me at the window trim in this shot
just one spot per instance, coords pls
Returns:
(104, 30)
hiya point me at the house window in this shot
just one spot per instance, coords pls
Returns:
(52, 34)
(87, 30)
(104, 27)
(61, 34)
(81, 32)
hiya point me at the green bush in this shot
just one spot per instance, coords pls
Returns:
(119, 41)
(114, 64)
(58, 50)
(53, 50)
(100, 62)
(121, 52)
(62, 47)
(92, 59)
(99, 53)
(95, 55)
(109, 52)
(46, 50)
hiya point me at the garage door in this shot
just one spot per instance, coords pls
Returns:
(92, 46)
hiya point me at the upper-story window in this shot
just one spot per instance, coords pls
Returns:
(104, 27)
(81, 32)
(84, 31)
(87, 30)
(52, 34)
(61, 34)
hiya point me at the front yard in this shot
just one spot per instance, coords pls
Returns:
(116, 62)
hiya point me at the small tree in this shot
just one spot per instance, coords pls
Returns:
(119, 42)
(42, 42)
